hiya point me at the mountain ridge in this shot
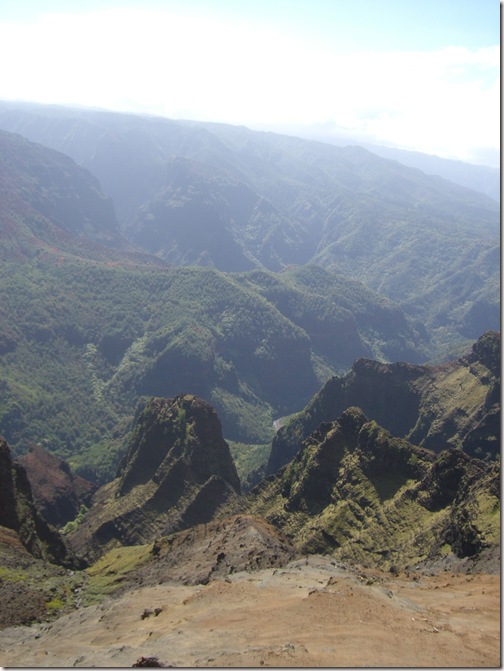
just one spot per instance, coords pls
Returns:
(436, 407)
(256, 345)
(18, 514)
(358, 493)
(177, 472)
(155, 378)
(307, 202)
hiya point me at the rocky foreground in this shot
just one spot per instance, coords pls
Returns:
(363, 550)
(311, 612)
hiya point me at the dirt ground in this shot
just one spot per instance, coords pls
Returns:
(312, 612)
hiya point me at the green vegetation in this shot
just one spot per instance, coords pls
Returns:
(55, 605)
(89, 340)
(248, 458)
(73, 524)
(236, 199)
(106, 575)
(433, 407)
(361, 497)
(86, 330)
(34, 589)
(12, 575)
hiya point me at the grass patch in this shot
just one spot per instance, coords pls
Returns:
(12, 575)
(55, 605)
(489, 517)
(107, 574)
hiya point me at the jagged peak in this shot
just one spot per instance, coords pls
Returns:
(184, 428)
(487, 351)
(178, 472)
(355, 490)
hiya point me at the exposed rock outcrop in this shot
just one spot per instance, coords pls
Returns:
(19, 514)
(57, 492)
(177, 472)
(359, 493)
(183, 430)
(208, 551)
(436, 407)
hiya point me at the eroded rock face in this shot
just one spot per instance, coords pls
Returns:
(177, 472)
(207, 551)
(18, 513)
(436, 407)
(57, 492)
(183, 430)
(356, 491)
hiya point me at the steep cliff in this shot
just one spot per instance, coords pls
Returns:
(58, 493)
(359, 493)
(19, 514)
(437, 407)
(177, 472)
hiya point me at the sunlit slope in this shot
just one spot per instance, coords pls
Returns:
(363, 495)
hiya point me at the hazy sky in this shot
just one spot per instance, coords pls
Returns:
(417, 74)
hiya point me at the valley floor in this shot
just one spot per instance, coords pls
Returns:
(312, 612)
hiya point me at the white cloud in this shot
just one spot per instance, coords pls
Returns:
(445, 102)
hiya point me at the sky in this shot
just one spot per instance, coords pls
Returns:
(422, 75)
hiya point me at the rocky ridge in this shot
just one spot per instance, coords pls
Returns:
(438, 407)
(37, 567)
(362, 495)
(19, 515)
(206, 552)
(353, 490)
(177, 472)
(256, 345)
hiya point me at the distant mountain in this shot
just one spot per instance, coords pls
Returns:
(452, 405)
(45, 195)
(228, 197)
(476, 177)
(254, 294)
(482, 178)
(86, 330)
(256, 344)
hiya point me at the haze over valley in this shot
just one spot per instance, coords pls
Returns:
(250, 365)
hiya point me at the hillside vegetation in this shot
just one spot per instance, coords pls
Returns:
(82, 343)
(228, 197)
(355, 491)
(92, 326)
(213, 348)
